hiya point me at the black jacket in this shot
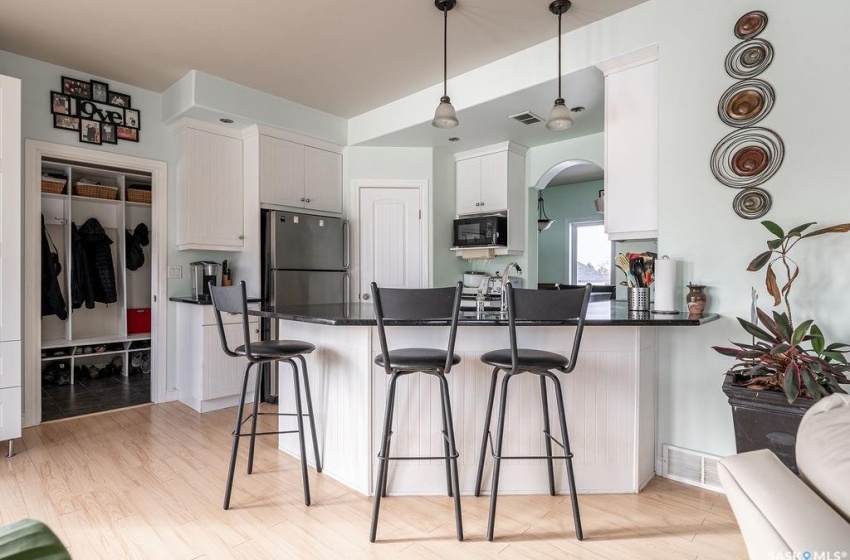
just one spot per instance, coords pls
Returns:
(92, 270)
(52, 302)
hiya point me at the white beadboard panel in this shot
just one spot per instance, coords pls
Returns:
(647, 402)
(339, 382)
(223, 374)
(10, 364)
(10, 413)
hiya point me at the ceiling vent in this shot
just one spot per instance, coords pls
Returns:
(526, 118)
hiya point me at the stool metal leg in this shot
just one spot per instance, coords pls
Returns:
(487, 418)
(548, 442)
(452, 451)
(391, 412)
(562, 417)
(236, 434)
(494, 492)
(10, 448)
(254, 417)
(446, 449)
(382, 457)
(309, 398)
(300, 419)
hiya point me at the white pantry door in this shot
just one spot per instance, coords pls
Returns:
(390, 238)
(10, 259)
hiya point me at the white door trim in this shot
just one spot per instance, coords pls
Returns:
(424, 224)
(35, 152)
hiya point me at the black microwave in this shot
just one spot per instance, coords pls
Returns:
(481, 231)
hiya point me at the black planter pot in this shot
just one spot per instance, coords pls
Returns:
(765, 420)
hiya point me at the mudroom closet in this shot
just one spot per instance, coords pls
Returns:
(96, 288)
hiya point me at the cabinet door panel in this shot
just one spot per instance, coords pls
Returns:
(214, 202)
(631, 165)
(10, 364)
(10, 413)
(494, 182)
(469, 186)
(281, 172)
(323, 180)
(223, 374)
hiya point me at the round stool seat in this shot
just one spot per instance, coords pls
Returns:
(527, 359)
(416, 359)
(276, 349)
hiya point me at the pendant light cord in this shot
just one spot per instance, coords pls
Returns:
(446, 49)
(559, 56)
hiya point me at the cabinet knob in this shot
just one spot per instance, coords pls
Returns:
(302, 199)
(478, 204)
(308, 200)
(482, 204)
(365, 296)
(241, 237)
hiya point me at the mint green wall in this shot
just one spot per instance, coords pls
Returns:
(564, 204)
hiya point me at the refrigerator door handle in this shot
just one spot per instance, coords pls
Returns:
(346, 288)
(346, 250)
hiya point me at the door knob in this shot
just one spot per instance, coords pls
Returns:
(365, 296)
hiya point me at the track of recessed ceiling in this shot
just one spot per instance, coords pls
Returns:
(343, 58)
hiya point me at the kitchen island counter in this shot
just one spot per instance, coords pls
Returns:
(610, 397)
(599, 314)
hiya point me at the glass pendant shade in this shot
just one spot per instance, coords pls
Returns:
(445, 116)
(543, 225)
(559, 116)
(543, 221)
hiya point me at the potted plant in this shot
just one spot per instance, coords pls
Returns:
(786, 367)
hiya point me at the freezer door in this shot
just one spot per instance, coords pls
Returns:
(306, 242)
(300, 287)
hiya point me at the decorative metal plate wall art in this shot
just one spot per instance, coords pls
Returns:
(748, 157)
(746, 103)
(749, 58)
(750, 24)
(751, 204)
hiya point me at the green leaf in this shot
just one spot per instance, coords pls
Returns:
(837, 356)
(757, 332)
(800, 332)
(780, 348)
(768, 323)
(758, 263)
(812, 385)
(732, 352)
(783, 324)
(841, 228)
(791, 383)
(838, 347)
(773, 228)
(774, 244)
(800, 229)
(817, 339)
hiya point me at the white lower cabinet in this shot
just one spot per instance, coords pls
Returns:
(10, 413)
(208, 379)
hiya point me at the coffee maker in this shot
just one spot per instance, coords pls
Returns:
(202, 273)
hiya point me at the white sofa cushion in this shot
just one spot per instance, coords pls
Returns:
(823, 451)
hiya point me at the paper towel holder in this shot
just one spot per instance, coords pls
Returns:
(662, 312)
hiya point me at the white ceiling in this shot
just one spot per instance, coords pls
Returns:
(338, 56)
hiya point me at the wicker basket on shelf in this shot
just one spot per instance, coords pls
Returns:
(138, 195)
(52, 185)
(95, 191)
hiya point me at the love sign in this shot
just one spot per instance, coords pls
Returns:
(98, 114)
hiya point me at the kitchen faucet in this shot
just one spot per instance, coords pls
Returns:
(505, 273)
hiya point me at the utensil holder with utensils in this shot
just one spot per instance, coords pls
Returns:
(638, 298)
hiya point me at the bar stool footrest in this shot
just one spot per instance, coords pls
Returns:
(493, 451)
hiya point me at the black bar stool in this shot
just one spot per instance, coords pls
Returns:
(417, 304)
(232, 300)
(540, 305)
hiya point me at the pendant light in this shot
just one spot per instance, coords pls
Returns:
(543, 221)
(445, 116)
(559, 116)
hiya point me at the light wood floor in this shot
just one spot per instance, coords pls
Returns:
(148, 483)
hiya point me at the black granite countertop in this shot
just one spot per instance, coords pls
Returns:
(202, 301)
(599, 314)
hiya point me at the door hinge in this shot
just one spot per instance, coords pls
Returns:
(154, 299)
(420, 214)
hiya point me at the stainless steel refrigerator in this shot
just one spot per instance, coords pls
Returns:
(305, 261)
(307, 258)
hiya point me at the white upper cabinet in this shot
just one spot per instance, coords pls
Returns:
(209, 183)
(297, 175)
(631, 146)
(488, 177)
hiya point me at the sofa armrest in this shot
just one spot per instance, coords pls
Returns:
(776, 511)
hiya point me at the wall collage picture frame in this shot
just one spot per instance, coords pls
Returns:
(98, 114)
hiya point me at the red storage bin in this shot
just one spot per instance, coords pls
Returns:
(139, 320)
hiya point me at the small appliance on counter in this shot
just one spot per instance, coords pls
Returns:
(201, 274)
(492, 289)
(480, 231)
